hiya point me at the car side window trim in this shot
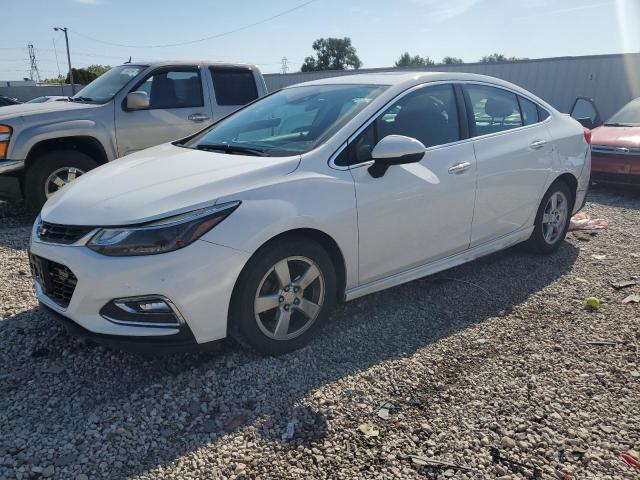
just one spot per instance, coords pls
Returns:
(471, 134)
(378, 112)
(167, 68)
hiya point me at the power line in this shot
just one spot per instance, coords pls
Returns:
(211, 37)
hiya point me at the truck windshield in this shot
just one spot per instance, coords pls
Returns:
(289, 122)
(627, 116)
(103, 88)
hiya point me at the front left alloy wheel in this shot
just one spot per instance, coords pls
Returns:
(284, 294)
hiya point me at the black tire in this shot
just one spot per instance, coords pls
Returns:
(243, 325)
(537, 242)
(45, 165)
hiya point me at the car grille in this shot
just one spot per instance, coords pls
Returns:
(63, 234)
(57, 281)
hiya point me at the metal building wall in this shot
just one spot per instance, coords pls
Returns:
(28, 92)
(611, 80)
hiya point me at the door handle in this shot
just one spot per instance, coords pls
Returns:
(538, 144)
(459, 168)
(198, 117)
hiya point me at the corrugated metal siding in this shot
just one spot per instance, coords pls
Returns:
(611, 80)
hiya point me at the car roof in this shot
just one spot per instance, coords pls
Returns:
(402, 78)
(399, 81)
(164, 63)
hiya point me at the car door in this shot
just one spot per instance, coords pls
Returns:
(176, 109)
(584, 110)
(514, 153)
(232, 87)
(419, 212)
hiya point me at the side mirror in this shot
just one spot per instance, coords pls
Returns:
(395, 150)
(137, 101)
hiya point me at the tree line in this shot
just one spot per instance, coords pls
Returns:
(81, 76)
(340, 54)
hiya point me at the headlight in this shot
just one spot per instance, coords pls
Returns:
(5, 136)
(160, 236)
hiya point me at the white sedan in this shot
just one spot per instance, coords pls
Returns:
(318, 193)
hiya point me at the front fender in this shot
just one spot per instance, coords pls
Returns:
(29, 137)
(304, 200)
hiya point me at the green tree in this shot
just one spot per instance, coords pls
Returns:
(332, 54)
(499, 57)
(406, 60)
(60, 79)
(84, 76)
(451, 60)
(98, 70)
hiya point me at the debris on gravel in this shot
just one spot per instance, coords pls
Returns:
(490, 370)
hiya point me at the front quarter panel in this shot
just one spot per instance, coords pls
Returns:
(314, 196)
(93, 121)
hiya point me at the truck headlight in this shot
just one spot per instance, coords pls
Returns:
(5, 136)
(160, 236)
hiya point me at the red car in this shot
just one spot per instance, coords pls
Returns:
(615, 145)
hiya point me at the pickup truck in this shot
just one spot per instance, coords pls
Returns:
(131, 107)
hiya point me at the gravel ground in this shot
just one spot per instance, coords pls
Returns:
(494, 366)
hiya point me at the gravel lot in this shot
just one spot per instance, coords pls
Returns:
(495, 358)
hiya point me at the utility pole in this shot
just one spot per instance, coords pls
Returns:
(34, 74)
(66, 39)
(285, 67)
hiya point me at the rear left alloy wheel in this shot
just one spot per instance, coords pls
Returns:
(552, 219)
(284, 294)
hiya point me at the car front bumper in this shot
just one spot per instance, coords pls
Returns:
(198, 279)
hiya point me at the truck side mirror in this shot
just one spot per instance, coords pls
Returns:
(137, 101)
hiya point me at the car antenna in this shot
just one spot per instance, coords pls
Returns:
(128, 61)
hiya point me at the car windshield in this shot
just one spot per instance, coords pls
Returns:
(38, 100)
(103, 88)
(289, 122)
(629, 115)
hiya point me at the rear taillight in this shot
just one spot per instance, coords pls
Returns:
(5, 136)
(587, 135)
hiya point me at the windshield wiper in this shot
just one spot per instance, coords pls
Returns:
(81, 99)
(616, 124)
(226, 148)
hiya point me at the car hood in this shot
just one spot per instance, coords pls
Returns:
(159, 182)
(29, 109)
(616, 136)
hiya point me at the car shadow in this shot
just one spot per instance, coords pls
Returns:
(625, 196)
(96, 403)
(14, 216)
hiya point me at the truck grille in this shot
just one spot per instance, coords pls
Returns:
(57, 281)
(63, 234)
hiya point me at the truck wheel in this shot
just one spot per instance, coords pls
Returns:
(51, 172)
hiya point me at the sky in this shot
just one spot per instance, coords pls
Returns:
(263, 32)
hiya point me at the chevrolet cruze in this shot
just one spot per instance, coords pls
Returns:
(318, 193)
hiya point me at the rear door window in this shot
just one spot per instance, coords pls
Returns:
(233, 85)
(494, 109)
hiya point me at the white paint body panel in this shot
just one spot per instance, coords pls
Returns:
(415, 212)
(416, 220)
